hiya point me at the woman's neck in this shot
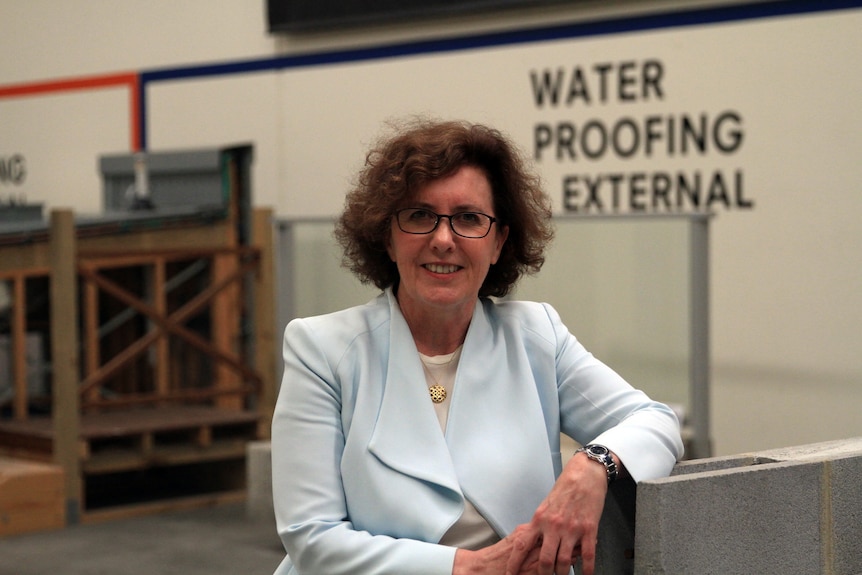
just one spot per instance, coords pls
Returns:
(436, 332)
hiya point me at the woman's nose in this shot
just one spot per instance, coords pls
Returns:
(443, 236)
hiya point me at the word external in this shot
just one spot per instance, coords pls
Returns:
(655, 192)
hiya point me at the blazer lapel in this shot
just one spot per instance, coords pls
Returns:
(407, 435)
(496, 432)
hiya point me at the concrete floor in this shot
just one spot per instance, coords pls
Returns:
(212, 540)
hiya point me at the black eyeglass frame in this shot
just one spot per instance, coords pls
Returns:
(438, 217)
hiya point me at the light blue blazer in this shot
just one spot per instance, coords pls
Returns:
(365, 482)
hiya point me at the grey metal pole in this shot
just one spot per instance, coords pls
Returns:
(285, 273)
(699, 362)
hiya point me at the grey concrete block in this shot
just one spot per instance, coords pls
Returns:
(822, 451)
(259, 481)
(845, 515)
(762, 519)
(713, 464)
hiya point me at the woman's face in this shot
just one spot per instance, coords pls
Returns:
(441, 271)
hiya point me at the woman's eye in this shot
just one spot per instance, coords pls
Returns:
(421, 215)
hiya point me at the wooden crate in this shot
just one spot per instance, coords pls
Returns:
(31, 496)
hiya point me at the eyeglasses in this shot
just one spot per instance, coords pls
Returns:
(464, 224)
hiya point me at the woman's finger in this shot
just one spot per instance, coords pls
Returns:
(588, 553)
(522, 541)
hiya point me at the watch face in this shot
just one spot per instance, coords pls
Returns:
(602, 454)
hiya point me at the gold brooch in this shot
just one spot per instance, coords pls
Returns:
(438, 393)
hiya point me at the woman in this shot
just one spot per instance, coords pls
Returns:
(420, 433)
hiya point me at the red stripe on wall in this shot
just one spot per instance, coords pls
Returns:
(135, 113)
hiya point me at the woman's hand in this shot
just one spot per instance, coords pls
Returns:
(488, 560)
(492, 560)
(566, 524)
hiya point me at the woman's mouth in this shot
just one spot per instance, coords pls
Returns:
(441, 268)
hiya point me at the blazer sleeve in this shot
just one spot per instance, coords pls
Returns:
(307, 446)
(598, 406)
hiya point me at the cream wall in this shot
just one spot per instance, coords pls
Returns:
(786, 275)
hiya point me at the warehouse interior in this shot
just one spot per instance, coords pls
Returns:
(167, 190)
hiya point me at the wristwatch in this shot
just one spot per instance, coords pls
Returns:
(603, 455)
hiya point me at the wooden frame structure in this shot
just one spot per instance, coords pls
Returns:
(104, 417)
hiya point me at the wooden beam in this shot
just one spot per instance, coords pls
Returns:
(92, 354)
(160, 300)
(18, 346)
(225, 314)
(263, 238)
(64, 356)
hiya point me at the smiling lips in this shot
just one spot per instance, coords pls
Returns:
(441, 268)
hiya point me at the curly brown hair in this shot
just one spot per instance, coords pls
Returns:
(422, 151)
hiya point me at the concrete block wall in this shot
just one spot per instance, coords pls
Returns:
(795, 510)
